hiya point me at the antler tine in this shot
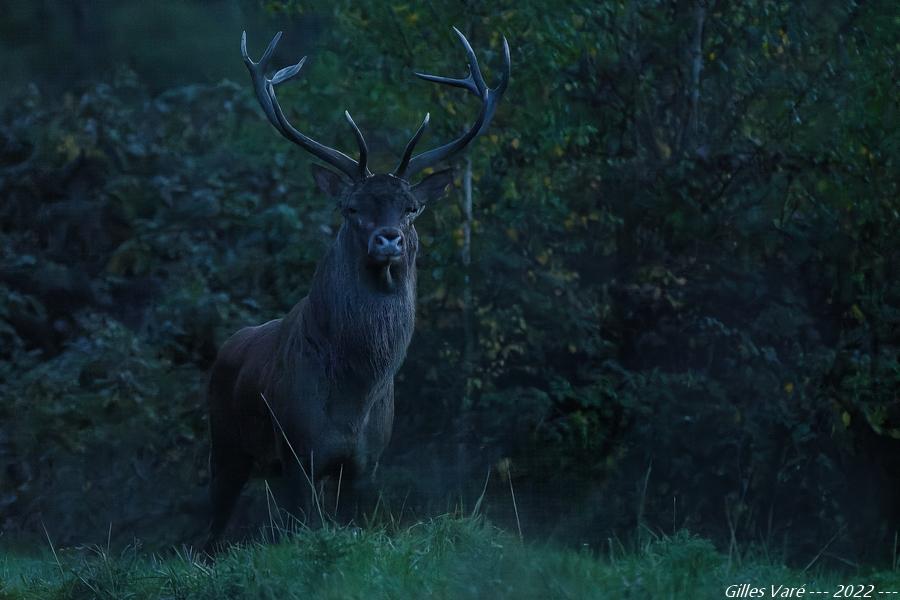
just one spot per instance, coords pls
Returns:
(475, 84)
(265, 94)
(411, 145)
(258, 73)
(363, 148)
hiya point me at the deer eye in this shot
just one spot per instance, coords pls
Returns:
(411, 210)
(350, 210)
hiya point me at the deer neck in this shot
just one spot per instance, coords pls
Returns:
(361, 318)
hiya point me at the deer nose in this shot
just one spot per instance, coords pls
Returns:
(386, 242)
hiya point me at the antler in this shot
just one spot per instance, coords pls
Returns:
(265, 93)
(475, 84)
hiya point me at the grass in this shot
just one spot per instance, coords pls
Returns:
(446, 557)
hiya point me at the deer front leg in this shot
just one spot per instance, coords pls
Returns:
(300, 499)
(360, 491)
(230, 470)
(356, 492)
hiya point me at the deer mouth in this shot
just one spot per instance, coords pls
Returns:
(380, 261)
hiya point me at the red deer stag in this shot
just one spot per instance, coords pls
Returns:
(313, 393)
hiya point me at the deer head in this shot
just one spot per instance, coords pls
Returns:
(379, 210)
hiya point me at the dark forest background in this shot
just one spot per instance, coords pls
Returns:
(675, 304)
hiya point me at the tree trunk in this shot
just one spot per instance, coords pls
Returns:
(696, 68)
(468, 342)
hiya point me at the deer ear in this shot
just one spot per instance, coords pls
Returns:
(329, 183)
(433, 187)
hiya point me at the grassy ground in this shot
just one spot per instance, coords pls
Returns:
(443, 558)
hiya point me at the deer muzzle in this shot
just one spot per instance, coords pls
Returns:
(386, 245)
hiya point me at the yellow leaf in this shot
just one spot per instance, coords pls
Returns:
(542, 258)
(664, 149)
(69, 147)
(512, 234)
(789, 388)
(846, 419)
(515, 143)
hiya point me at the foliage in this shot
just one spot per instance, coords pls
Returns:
(681, 292)
(122, 289)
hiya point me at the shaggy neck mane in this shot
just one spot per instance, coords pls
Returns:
(357, 320)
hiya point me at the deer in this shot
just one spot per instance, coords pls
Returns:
(310, 396)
